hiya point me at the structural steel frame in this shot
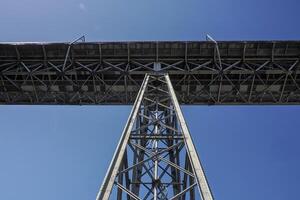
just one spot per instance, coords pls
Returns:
(155, 158)
(84, 73)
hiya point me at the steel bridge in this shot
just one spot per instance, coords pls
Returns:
(156, 158)
(245, 72)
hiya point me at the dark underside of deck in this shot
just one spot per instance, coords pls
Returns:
(231, 72)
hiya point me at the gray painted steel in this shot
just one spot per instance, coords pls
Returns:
(226, 72)
(109, 179)
(155, 158)
(191, 150)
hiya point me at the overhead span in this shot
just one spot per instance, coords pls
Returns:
(202, 72)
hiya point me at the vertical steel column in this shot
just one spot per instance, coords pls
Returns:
(155, 187)
(111, 174)
(191, 150)
(155, 158)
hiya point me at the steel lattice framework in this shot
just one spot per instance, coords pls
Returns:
(111, 72)
(156, 158)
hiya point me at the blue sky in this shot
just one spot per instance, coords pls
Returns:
(62, 152)
(57, 20)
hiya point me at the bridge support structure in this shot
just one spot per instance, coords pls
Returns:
(155, 158)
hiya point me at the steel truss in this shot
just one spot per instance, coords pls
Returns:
(155, 158)
(111, 73)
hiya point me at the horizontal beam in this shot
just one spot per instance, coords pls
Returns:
(110, 73)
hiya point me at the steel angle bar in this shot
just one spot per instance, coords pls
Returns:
(209, 38)
(109, 179)
(183, 192)
(132, 195)
(150, 154)
(197, 167)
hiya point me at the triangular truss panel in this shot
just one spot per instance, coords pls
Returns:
(155, 158)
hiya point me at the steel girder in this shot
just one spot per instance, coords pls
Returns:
(155, 158)
(112, 72)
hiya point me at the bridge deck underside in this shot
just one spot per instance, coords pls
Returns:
(112, 72)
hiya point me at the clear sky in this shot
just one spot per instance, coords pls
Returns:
(62, 152)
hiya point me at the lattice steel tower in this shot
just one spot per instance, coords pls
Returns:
(155, 158)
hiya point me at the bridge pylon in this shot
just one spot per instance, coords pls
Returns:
(155, 158)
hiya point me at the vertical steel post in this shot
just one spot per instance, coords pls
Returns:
(191, 150)
(155, 158)
(111, 174)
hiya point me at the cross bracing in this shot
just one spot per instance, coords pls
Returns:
(247, 72)
(155, 158)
